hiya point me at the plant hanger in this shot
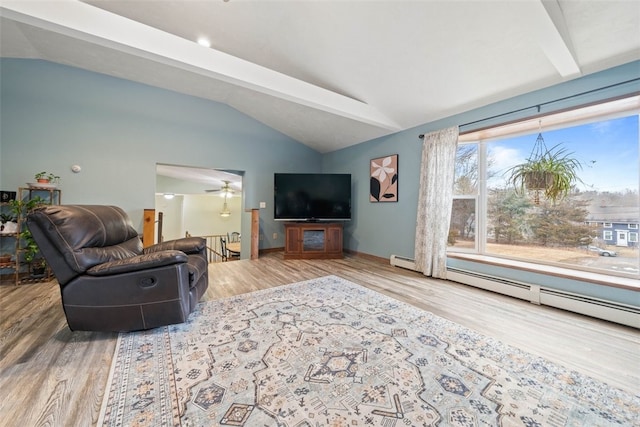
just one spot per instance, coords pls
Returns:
(539, 148)
(550, 173)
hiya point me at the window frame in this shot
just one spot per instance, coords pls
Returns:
(480, 244)
(477, 217)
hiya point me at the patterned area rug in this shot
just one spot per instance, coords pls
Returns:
(327, 352)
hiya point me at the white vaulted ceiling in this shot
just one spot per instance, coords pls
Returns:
(331, 74)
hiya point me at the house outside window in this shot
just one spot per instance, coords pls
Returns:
(633, 226)
(490, 217)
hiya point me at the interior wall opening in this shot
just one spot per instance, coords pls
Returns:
(195, 201)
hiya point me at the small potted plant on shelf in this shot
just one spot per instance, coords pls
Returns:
(38, 268)
(47, 178)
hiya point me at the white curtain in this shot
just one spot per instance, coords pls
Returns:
(435, 197)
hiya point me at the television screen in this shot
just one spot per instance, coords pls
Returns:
(312, 197)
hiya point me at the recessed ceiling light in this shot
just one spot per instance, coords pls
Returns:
(203, 41)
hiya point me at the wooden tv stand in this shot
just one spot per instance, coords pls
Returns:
(313, 240)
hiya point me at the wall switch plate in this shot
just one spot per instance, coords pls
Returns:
(275, 236)
(263, 205)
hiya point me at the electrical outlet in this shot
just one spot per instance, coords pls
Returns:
(263, 205)
(275, 236)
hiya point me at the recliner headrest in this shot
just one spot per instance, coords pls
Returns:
(89, 226)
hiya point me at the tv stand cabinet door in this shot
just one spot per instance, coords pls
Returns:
(293, 240)
(333, 242)
(313, 241)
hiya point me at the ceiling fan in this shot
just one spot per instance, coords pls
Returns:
(224, 191)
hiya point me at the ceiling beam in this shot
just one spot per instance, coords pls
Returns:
(554, 38)
(88, 23)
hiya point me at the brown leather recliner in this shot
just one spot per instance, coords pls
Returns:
(108, 281)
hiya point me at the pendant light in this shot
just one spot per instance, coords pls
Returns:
(225, 209)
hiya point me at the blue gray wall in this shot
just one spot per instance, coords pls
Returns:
(383, 229)
(54, 116)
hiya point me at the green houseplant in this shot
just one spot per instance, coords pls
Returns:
(23, 207)
(551, 173)
(46, 177)
(30, 249)
(30, 246)
(37, 265)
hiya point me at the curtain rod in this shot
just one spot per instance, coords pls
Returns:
(519, 110)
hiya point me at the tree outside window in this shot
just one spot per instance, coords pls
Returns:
(491, 217)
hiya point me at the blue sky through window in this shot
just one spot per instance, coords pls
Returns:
(609, 151)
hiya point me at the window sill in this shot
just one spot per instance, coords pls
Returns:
(565, 273)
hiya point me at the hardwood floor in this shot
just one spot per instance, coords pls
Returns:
(50, 376)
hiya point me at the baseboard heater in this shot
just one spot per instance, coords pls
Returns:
(512, 288)
(594, 307)
(399, 261)
(495, 284)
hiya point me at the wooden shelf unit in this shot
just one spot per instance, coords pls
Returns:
(23, 271)
(313, 240)
(8, 270)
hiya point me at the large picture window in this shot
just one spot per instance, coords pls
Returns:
(590, 228)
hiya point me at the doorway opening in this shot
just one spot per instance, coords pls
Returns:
(195, 201)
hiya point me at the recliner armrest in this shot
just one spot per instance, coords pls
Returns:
(188, 245)
(140, 262)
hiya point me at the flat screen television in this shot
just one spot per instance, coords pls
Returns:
(312, 197)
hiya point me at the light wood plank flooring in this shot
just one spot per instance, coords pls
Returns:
(50, 376)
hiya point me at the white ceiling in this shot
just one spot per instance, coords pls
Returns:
(215, 179)
(331, 74)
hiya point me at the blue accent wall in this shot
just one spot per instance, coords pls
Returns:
(382, 229)
(54, 116)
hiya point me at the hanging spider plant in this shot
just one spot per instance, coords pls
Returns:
(551, 173)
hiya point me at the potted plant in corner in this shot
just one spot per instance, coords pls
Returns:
(37, 266)
(547, 172)
(29, 247)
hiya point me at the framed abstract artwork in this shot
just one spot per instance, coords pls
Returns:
(383, 182)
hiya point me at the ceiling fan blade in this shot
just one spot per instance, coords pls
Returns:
(226, 188)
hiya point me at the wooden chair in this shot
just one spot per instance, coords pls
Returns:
(227, 255)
